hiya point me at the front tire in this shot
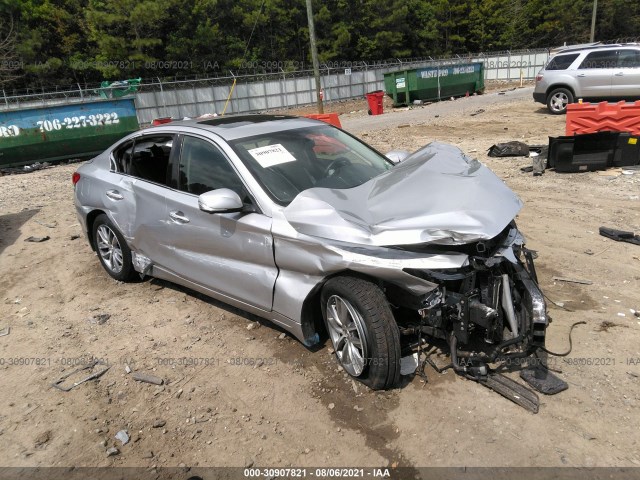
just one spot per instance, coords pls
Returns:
(112, 249)
(363, 332)
(558, 100)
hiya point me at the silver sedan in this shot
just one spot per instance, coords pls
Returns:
(304, 225)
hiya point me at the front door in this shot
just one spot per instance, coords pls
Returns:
(595, 74)
(230, 254)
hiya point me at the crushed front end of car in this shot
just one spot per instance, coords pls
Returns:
(438, 235)
(491, 312)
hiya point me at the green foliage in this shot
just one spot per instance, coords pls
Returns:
(86, 41)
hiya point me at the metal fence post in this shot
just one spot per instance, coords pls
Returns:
(164, 101)
(284, 89)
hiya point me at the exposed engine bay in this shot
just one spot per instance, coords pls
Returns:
(489, 313)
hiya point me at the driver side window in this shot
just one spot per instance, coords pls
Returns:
(203, 167)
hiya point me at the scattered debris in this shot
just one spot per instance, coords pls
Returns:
(58, 383)
(590, 252)
(100, 318)
(159, 423)
(509, 149)
(512, 390)
(127, 368)
(37, 239)
(123, 436)
(620, 235)
(42, 439)
(74, 237)
(572, 280)
(282, 336)
(331, 406)
(409, 364)
(538, 165)
(477, 112)
(26, 169)
(143, 377)
(404, 125)
(5, 331)
(606, 325)
(112, 451)
(543, 380)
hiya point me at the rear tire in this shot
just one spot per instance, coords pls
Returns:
(363, 332)
(558, 100)
(112, 249)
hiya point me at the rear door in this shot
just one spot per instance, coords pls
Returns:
(151, 167)
(230, 254)
(595, 74)
(626, 78)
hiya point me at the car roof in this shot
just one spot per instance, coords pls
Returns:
(234, 127)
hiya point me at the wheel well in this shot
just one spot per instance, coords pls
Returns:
(91, 217)
(312, 322)
(555, 87)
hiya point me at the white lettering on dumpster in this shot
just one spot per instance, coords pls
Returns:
(9, 131)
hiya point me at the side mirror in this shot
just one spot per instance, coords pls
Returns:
(396, 156)
(222, 200)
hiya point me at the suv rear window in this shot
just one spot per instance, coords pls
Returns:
(606, 59)
(561, 62)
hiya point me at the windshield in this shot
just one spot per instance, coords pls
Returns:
(288, 162)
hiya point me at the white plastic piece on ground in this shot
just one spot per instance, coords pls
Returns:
(122, 436)
(408, 365)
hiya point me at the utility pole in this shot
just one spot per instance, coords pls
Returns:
(593, 21)
(314, 55)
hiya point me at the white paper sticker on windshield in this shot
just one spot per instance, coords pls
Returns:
(271, 155)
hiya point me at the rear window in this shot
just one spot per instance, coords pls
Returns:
(561, 62)
(606, 59)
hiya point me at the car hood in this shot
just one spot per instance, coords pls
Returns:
(437, 195)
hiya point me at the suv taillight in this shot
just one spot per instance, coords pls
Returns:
(75, 178)
(539, 77)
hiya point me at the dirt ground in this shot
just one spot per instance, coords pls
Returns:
(238, 393)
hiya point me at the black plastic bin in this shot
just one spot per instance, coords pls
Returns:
(593, 151)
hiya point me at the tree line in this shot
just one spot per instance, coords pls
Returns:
(63, 42)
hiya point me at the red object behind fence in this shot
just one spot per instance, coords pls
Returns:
(603, 116)
(331, 118)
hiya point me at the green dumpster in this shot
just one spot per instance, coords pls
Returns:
(61, 132)
(434, 83)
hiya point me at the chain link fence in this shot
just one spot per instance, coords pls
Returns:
(258, 89)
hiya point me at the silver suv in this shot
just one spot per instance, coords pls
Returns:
(593, 72)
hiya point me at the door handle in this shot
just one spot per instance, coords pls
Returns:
(619, 74)
(114, 195)
(178, 217)
(582, 75)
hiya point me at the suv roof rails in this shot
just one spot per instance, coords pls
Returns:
(589, 46)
